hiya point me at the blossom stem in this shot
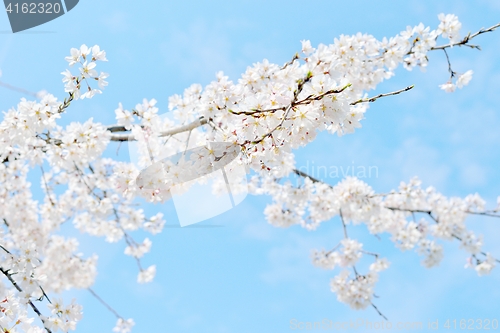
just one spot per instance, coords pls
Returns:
(21, 90)
(343, 223)
(465, 41)
(14, 283)
(113, 311)
(380, 313)
(373, 99)
(452, 73)
(130, 137)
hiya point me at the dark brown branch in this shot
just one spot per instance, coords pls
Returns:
(296, 93)
(452, 73)
(294, 103)
(486, 213)
(311, 98)
(255, 111)
(14, 283)
(305, 175)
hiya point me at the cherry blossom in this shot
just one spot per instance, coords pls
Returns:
(258, 120)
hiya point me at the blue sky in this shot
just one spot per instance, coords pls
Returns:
(247, 276)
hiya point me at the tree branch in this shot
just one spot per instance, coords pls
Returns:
(14, 283)
(380, 313)
(343, 223)
(130, 137)
(305, 175)
(373, 99)
(21, 90)
(467, 38)
(104, 303)
(485, 213)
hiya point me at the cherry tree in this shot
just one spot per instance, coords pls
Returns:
(261, 117)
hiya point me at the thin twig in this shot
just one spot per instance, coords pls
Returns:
(483, 253)
(3, 248)
(452, 73)
(355, 271)
(294, 103)
(104, 303)
(482, 213)
(428, 211)
(380, 313)
(82, 175)
(295, 57)
(130, 137)
(465, 41)
(343, 223)
(46, 186)
(437, 221)
(305, 175)
(376, 255)
(21, 90)
(255, 111)
(14, 283)
(373, 99)
(311, 98)
(118, 148)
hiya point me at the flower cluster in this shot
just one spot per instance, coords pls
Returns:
(314, 202)
(87, 57)
(79, 186)
(460, 82)
(25, 273)
(123, 326)
(273, 109)
(348, 256)
(357, 292)
(269, 111)
(449, 27)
